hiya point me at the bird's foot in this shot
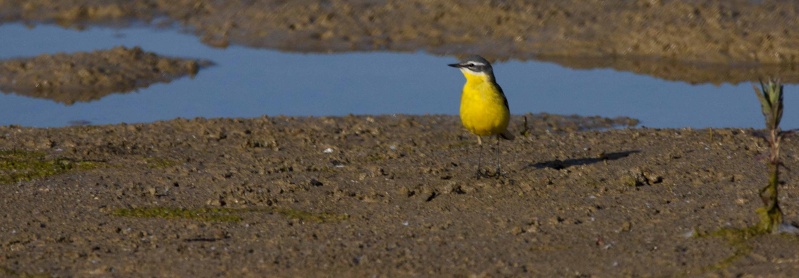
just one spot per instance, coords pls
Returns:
(481, 174)
(486, 174)
(498, 174)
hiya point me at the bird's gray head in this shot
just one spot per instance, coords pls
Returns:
(474, 64)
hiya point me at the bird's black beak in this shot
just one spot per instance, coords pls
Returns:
(455, 65)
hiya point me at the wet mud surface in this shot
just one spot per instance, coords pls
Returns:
(727, 41)
(386, 196)
(396, 195)
(85, 76)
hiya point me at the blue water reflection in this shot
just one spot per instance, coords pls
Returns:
(253, 82)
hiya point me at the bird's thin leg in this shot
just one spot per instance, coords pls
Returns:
(499, 164)
(479, 157)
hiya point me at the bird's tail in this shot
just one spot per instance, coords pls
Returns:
(507, 135)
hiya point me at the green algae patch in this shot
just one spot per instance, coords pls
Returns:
(21, 165)
(6, 272)
(738, 239)
(203, 214)
(226, 214)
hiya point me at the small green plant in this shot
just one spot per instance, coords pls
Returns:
(771, 103)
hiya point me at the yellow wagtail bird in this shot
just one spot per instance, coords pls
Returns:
(484, 108)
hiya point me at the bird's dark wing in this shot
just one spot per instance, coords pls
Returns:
(501, 93)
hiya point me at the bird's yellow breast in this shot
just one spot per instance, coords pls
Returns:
(484, 110)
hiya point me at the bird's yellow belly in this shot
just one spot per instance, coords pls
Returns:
(483, 113)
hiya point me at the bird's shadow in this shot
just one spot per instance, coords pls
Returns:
(558, 164)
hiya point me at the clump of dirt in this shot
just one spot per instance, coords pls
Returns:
(391, 196)
(87, 76)
(708, 38)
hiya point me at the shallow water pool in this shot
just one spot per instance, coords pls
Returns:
(247, 82)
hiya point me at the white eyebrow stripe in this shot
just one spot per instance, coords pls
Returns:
(473, 72)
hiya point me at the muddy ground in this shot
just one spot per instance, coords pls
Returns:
(385, 196)
(695, 41)
(395, 195)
